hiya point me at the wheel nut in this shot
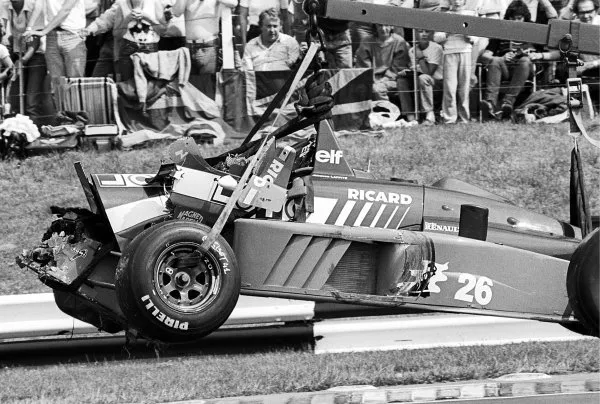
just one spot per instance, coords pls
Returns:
(182, 279)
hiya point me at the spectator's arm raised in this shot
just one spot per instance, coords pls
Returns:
(105, 22)
(548, 9)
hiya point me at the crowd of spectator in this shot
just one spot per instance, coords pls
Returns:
(78, 38)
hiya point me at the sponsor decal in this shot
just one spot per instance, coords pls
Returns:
(414, 282)
(379, 196)
(225, 264)
(272, 173)
(123, 180)
(190, 215)
(333, 177)
(220, 194)
(274, 169)
(331, 157)
(305, 150)
(478, 288)
(438, 275)
(78, 254)
(439, 227)
(162, 317)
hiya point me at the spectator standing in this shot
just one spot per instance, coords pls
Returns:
(173, 37)
(272, 50)
(387, 56)
(16, 15)
(542, 5)
(136, 26)
(507, 60)
(6, 63)
(426, 61)
(104, 66)
(456, 69)
(65, 45)
(202, 31)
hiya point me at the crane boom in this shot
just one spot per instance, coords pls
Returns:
(584, 37)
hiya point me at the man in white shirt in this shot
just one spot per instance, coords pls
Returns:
(66, 52)
(248, 17)
(272, 50)
(202, 31)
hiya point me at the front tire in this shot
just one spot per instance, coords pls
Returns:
(168, 291)
(583, 283)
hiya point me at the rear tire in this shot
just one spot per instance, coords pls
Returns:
(168, 291)
(583, 282)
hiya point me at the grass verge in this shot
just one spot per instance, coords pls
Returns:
(196, 377)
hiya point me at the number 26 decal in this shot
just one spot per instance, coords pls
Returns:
(482, 286)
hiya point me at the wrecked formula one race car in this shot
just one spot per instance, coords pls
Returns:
(165, 256)
(304, 225)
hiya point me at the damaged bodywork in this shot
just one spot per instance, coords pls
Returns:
(303, 225)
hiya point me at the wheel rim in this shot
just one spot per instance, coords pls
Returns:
(184, 279)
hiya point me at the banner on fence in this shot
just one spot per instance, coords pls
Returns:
(245, 96)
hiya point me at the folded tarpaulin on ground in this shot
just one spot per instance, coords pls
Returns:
(201, 130)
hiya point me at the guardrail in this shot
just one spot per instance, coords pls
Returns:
(36, 315)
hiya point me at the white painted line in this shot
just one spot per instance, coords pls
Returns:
(375, 334)
(36, 315)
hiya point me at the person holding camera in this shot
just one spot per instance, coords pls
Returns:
(507, 60)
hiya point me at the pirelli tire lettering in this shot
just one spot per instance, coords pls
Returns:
(170, 290)
(162, 317)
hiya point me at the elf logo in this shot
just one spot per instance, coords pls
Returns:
(331, 157)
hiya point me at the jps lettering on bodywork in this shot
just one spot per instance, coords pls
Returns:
(379, 196)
